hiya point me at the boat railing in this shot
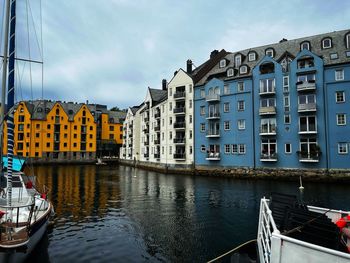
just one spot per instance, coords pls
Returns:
(14, 225)
(276, 247)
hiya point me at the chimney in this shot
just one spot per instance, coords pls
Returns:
(175, 72)
(283, 40)
(189, 66)
(87, 102)
(214, 53)
(164, 84)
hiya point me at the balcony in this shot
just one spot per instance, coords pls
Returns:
(212, 97)
(213, 134)
(309, 157)
(179, 95)
(146, 130)
(307, 107)
(305, 130)
(146, 119)
(179, 156)
(268, 91)
(146, 155)
(179, 125)
(179, 140)
(157, 128)
(156, 155)
(157, 141)
(179, 110)
(146, 143)
(213, 156)
(213, 116)
(267, 110)
(268, 157)
(305, 86)
(268, 130)
(157, 115)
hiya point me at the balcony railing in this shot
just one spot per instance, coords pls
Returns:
(307, 130)
(267, 110)
(267, 91)
(268, 157)
(157, 115)
(307, 107)
(156, 155)
(213, 156)
(146, 143)
(157, 128)
(268, 130)
(146, 155)
(213, 134)
(309, 157)
(146, 130)
(213, 97)
(306, 85)
(146, 119)
(213, 116)
(179, 95)
(179, 110)
(157, 141)
(179, 140)
(179, 156)
(179, 125)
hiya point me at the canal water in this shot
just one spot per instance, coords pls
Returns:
(122, 214)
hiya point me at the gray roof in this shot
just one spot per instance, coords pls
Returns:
(134, 109)
(116, 116)
(158, 95)
(291, 47)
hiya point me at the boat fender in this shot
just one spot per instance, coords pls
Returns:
(29, 185)
(2, 213)
(341, 223)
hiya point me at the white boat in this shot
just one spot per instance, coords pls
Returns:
(291, 232)
(24, 211)
(99, 162)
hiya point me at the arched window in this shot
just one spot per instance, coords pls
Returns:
(57, 111)
(243, 69)
(238, 60)
(211, 91)
(222, 63)
(217, 90)
(347, 40)
(326, 43)
(305, 45)
(267, 68)
(39, 109)
(270, 52)
(230, 72)
(252, 56)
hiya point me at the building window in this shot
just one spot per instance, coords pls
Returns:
(251, 56)
(286, 84)
(268, 126)
(170, 92)
(21, 118)
(190, 88)
(170, 106)
(111, 128)
(37, 145)
(267, 103)
(226, 107)
(234, 149)
(37, 126)
(339, 96)
(190, 134)
(226, 89)
(286, 118)
(202, 93)
(339, 74)
(267, 86)
(230, 72)
(306, 78)
(222, 63)
(75, 127)
(268, 148)
(190, 104)
(288, 148)
(327, 43)
(75, 136)
(269, 52)
(243, 70)
(190, 118)
(307, 124)
(347, 41)
(238, 60)
(37, 135)
(203, 149)
(341, 119)
(241, 149)
(286, 103)
(333, 56)
(240, 86)
(227, 149)
(202, 110)
(47, 144)
(342, 148)
(241, 124)
(240, 105)
(48, 135)
(305, 45)
(226, 125)
(202, 127)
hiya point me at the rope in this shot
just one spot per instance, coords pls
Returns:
(232, 250)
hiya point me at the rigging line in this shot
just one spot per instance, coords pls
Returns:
(42, 49)
(34, 29)
(2, 28)
(29, 50)
(26, 60)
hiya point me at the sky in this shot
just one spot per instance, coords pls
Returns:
(109, 52)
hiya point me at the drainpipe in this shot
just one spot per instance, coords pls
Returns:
(326, 129)
(253, 133)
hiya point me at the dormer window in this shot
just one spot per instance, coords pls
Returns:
(238, 60)
(222, 63)
(305, 45)
(347, 40)
(327, 43)
(251, 56)
(39, 109)
(267, 68)
(230, 72)
(243, 69)
(270, 52)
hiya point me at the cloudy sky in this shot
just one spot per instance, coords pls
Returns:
(110, 51)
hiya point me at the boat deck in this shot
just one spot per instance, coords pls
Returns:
(15, 239)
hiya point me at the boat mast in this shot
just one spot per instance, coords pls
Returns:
(4, 78)
(10, 100)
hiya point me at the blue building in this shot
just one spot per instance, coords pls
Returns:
(282, 105)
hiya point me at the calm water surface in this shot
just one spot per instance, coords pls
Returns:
(121, 214)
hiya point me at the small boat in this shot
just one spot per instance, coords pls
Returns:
(290, 231)
(99, 162)
(24, 209)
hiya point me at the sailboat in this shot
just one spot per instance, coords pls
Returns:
(24, 211)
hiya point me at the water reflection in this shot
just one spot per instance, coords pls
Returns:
(117, 213)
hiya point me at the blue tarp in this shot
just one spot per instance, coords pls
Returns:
(17, 163)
